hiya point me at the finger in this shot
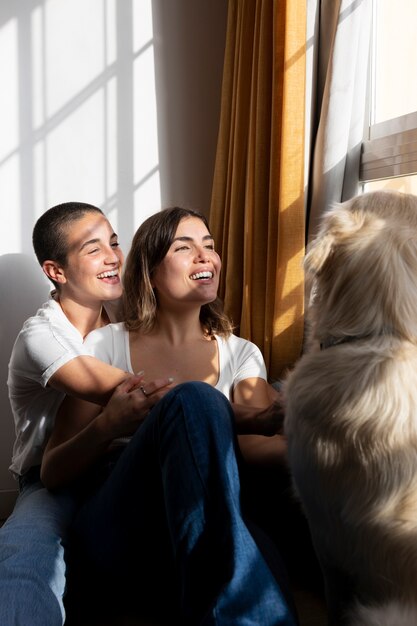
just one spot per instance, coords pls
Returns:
(133, 381)
(157, 395)
(150, 388)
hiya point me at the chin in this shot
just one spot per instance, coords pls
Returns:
(113, 294)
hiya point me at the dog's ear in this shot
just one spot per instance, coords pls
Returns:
(338, 223)
(318, 252)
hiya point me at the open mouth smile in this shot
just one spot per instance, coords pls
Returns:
(201, 275)
(108, 274)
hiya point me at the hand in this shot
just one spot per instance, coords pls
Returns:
(131, 402)
(270, 421)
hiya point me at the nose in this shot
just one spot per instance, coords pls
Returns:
(113, 255)
(202, 254)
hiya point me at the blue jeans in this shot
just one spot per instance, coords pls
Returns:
(168, 519)
(32, 565)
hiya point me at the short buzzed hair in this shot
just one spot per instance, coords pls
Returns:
(49, 233)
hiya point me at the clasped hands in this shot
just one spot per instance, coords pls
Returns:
(133, 399)
(131, 402)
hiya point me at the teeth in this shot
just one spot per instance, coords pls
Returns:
(108, 274)
(201, 275)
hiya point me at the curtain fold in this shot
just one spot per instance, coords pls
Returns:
(257, 209)
(339, 32)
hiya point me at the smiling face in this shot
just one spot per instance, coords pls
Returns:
(93, 264)
(190, 269)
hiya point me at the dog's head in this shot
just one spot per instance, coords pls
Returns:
(362, 268)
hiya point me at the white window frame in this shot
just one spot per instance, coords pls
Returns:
(391, 149)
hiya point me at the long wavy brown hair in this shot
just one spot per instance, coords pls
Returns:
(149, 247)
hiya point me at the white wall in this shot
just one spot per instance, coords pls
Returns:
(113, 102)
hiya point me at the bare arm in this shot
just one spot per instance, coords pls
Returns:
(255, 421)
(269, 446)
(83, 431)
(88, 378)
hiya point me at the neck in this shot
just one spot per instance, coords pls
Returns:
(85, 317)
(178, 327)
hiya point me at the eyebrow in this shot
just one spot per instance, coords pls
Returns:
(96, 240)
(185, 238)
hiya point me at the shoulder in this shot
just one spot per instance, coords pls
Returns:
(241, 355)
(111, 332)
(49, 312)
(108, 342)
(239, 359)
(46, 341)
(237, 345)
(47, 326)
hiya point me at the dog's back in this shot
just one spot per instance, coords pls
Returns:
(352, 408)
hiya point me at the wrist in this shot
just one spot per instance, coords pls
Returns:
(104, 425)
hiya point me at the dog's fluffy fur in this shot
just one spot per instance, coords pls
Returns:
(351, 417)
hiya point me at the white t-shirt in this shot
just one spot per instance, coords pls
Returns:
(238, 358)
(46, 342)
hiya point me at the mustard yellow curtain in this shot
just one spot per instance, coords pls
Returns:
(257, 209)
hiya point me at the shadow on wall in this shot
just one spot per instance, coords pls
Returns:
(24, 290)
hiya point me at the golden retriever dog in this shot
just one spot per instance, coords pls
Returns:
(351, 414)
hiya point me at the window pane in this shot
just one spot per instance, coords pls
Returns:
(406, 184)
(395, 59)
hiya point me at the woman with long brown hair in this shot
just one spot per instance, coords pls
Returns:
(167, 512)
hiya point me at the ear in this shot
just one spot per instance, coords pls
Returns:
(319, 250)
(339, 223)
(54, 271)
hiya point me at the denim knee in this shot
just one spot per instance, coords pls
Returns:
(201, 405)
(201, 389)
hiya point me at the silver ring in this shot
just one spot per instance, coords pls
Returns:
(143, 391)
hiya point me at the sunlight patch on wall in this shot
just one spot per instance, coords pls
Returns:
(9, 130)
(110, 41)
(75, 155)
(78, 113)
(147, 198)
(142, 24)
(9, 198)
(9, 134)
(74, 54)
(145, 124)
(39, 183)
(37, 59)
(146, 157)
(110, 178)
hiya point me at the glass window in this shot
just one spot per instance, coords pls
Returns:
(389, 150)
(394, 54)
(406, 184)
